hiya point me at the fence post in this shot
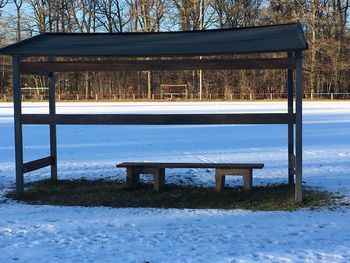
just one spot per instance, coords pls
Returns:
(251, 96)
(96, 98)
(271, 96)
(77, 97)
(332, 97)
(152, 96)
(133, 97)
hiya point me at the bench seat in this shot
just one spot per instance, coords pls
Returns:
(157, 169)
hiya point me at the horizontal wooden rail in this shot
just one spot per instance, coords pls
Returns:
(183, 64)
(37, 164)
(158, 119)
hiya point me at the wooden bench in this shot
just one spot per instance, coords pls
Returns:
(134, 169)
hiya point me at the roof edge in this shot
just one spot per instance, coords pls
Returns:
(3, 51)
(173, 32)
(301, 35)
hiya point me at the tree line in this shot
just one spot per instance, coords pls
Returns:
(325, 23)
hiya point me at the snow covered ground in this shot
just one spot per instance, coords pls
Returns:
(31, 233)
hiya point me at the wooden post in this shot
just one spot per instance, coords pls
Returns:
(200, 83)
(132, 177)
(298, 134)
(219, 180)
(52, 112)
(149, 84)
(158, 179)
(248, 179)
(17, 101)
(290, 92)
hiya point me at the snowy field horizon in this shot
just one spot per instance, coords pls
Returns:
(34, 233)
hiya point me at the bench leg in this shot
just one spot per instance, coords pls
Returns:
(219, 180)
(158, 179)
(248, 179)
(221, 173)
(132, 178)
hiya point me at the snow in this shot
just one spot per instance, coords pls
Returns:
(33, 233)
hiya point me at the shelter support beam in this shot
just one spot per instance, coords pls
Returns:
(37, 164)
(157, 64)
(158, 119)
(290, 92)
(52, 112)
(298, 133)
(17, 98)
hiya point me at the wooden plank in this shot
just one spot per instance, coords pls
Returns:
(158, 119)
(290, 92)
(52, 111)
(37, 164)
(164, 86)
(17, 97)
(192, 165)
(299, 127)
(157, 64)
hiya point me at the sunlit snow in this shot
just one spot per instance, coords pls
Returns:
(30, 233)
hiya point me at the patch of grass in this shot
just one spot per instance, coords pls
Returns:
(115, 194)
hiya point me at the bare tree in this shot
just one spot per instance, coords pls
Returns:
(112, 15)
(3, 3)
(325, 22)
(84, 15)
(18, 4)
(39, 8)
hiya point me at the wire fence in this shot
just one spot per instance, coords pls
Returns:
(174, 97)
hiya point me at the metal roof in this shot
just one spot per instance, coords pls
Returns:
(275, 38)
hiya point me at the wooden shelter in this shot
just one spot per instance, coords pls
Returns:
(49, 53)
(173, 90)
